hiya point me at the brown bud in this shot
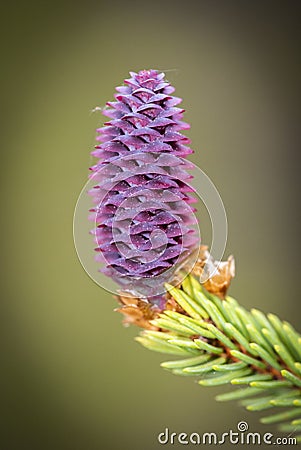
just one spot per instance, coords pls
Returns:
(137, 311)
(218, 284)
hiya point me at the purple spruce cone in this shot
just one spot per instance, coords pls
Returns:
(142, 214)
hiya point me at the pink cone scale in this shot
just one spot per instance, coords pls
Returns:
(143, 214)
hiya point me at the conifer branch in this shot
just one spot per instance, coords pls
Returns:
(223, 343)
(145, 235)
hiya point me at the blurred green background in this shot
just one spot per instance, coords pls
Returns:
(74, 378)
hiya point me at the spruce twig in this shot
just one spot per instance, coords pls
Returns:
(226, 344)
(144, 234)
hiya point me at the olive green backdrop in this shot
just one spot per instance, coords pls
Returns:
(74, 376)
